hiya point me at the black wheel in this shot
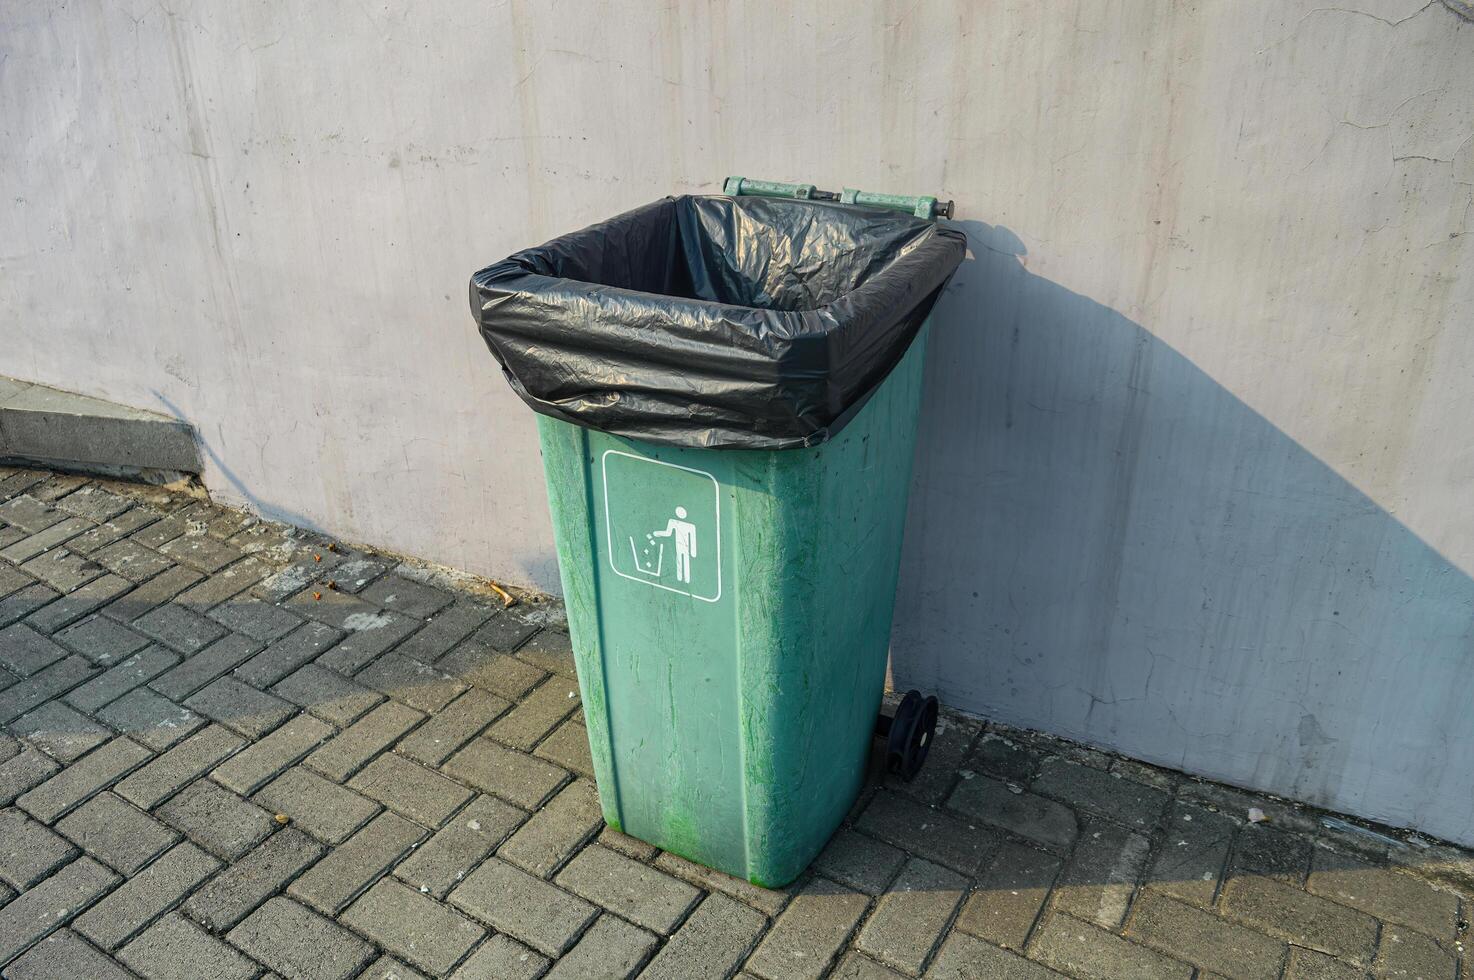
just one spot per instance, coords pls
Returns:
(909, 734)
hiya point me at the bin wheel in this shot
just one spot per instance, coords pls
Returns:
(908, 735)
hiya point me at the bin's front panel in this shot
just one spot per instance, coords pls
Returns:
(730, 613)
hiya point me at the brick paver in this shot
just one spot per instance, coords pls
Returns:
(216, 764)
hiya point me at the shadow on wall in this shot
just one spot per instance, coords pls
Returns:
(1105, 543)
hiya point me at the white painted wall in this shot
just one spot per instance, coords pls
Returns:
(1195, 480)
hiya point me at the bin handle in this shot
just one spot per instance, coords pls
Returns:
(922, 207)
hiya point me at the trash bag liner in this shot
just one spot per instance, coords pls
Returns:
(715, 322)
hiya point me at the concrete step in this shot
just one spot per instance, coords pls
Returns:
(77, 432)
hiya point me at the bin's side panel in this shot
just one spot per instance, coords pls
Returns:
(818, 554)
(567, 459)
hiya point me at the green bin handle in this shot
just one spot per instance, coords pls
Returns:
(922, 207)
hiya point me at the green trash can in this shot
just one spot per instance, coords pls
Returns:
(727, 422)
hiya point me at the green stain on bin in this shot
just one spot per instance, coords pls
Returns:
(730, 612)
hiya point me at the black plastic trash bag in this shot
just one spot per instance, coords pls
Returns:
(715, 322)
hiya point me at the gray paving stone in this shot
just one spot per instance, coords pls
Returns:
(355, 864)
(216, 819)
(716, 938)
(29, 850)
(254, 618)
(1270, 853)
(101, 640)
(83, 778)
(94, 503)
(368, 634)
(12, 579)
(1192, 855)
(36, 913)
(65, 956)
(1109, 795)
(166, 529)
(411, 598)
(640, 893)
(410, 682)
(22, 771)
(145, 896)
(447, 628)
(537, 715)
(514, 776)
(200, 551)
(1205, 940)
(299, 944)
(927, 832)
(218, 658)
(354, 574)
(256, 764)
(568, 747)
(179, 766)
(1307, 964)
(1010, 893)
(812, 929)
(30, 514)
(911, 916)
(452, 727)
(1301, 918)
(769, 900)
(499, 673)
(505, 632)
(252, 879)
(611, 948)
(240, 706)
(174, 948)
(24, 651)
(1026, 814)
(28, 549)
(70, 608)
(413, 926)
(1101, 874)
(121, 678)
(224, 586)
(324, 809)
(1388, 895)
(114, 530)
(21, 605)
(44, 685)
(629, 846)
(281, 658)
(60, 731)
(1082, 950)
(1236, 803)
(63, 570)
(131, 560)
(410, 789)
(964, 958)
(529, 909)
(388, 968)
(373, 733)
(551, 650)
(1408, 955)
(150, 718)
(115, 833)
(502, 958)
(152, 594)
(440, 863)
(185, 631)
(555, 831)
(327, 694)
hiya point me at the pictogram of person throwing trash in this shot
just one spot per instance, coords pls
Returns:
(684, 533)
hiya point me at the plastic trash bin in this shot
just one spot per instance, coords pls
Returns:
(727, 389)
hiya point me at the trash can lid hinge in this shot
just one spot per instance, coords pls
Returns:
(925, 206)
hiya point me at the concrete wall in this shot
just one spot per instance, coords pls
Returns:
(1195, 478)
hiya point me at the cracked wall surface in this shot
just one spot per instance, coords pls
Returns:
(1194, 474)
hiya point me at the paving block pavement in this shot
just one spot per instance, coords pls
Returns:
(232, 748)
